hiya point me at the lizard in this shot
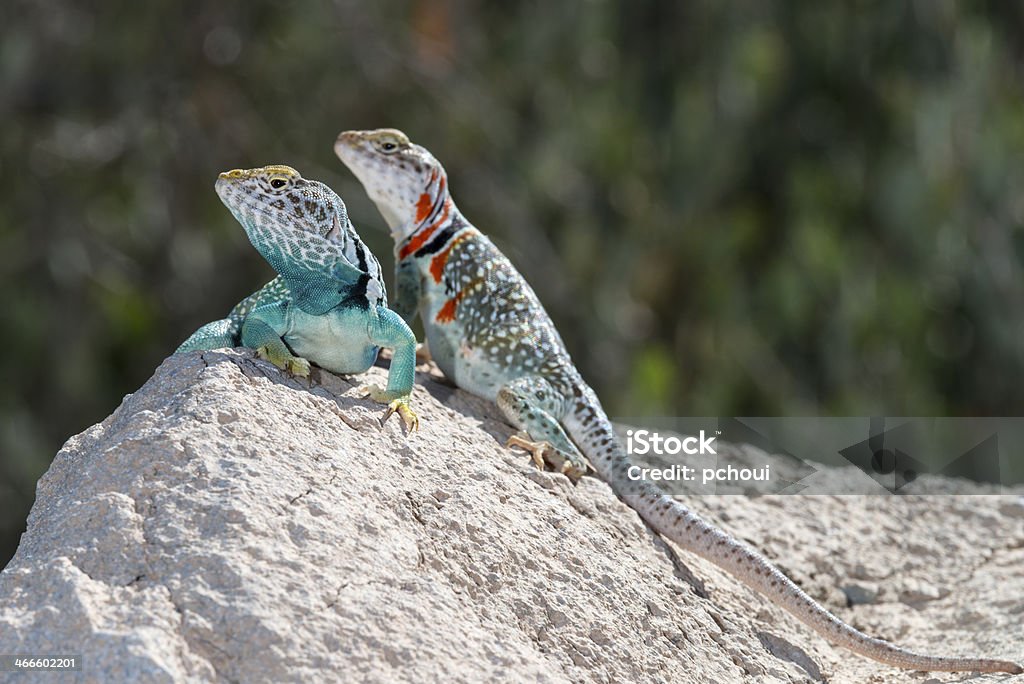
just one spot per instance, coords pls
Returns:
(328, 303)
(489, 333)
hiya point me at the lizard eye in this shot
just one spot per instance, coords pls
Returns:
(278, 182)
(388, 146)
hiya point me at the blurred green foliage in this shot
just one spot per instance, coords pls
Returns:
(728, 208)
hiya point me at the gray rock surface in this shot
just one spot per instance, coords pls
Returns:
(228, 523)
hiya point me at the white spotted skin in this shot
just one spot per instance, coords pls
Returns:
(498, 342)
(299, 224)
(496, 334)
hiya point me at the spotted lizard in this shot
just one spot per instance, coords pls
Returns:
(328, 303)
(489, 333)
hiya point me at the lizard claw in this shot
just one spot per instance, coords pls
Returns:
(402, 408)
(399, 405)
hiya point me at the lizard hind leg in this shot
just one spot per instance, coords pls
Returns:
(259, 335)
(530, 403)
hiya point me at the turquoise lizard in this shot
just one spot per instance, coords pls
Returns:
(328, 303)
(489, 333)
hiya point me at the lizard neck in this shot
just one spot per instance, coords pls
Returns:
(434, 218)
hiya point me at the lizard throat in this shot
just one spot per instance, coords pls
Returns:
(397, 223)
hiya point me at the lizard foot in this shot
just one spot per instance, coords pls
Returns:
(397, 402)
(541, 452)
(296, 365)
(402, 408)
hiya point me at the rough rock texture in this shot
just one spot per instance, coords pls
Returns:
(228, 523)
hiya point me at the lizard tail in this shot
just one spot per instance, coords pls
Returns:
(590, 428)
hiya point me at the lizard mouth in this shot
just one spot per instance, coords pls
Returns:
(346, 140)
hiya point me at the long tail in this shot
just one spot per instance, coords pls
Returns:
(590, 428)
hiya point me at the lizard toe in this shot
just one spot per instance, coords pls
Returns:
(375, 393)
(543, 452)
(409, 417)
(299, 366)
(402, 408)
(538, 450)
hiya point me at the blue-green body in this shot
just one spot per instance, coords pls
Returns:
(328, 304)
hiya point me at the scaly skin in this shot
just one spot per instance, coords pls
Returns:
(328, 303)
(490, 334)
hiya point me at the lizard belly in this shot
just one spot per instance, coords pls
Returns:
(441, 350)
(336, 341)
(475, 372)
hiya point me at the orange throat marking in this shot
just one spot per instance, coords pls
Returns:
(423, 207)
(420, 238)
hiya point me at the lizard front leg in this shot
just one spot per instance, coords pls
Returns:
(387, 329)
(259, 333)
(528, 403)
(407, 299)
(407, 290)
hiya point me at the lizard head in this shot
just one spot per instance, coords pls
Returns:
(290, 220)
(405, 181)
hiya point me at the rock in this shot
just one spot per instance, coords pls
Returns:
(917, 591)
(859, 593)
(229, 523)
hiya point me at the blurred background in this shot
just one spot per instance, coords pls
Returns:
(752, 208)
